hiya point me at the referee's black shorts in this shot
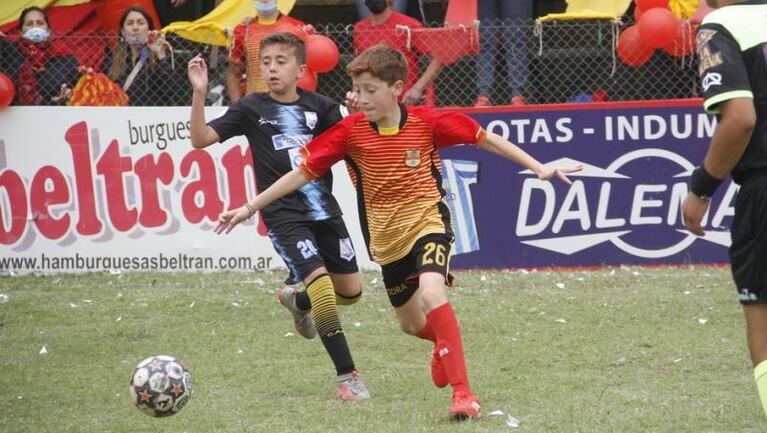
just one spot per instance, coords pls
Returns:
(748, 252)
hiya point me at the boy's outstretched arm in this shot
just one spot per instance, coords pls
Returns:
(200, 133)
(500, 146)
(288, 183)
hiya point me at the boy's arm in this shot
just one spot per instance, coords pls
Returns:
(500, 146)
(200, 133)
(288, 183)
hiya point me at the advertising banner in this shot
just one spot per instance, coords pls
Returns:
(90, 189)
(623, 208)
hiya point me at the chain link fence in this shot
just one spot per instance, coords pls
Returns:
(552, 62)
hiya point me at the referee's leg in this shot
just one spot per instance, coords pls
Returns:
(756, 333)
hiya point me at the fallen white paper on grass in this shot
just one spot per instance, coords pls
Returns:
(561, 285)
(289, 334)
(43, 351)
(702, 321)
(511, 421)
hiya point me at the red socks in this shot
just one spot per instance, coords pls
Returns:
(427, 333)
(442, 327)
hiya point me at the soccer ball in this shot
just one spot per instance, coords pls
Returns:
(160, 386)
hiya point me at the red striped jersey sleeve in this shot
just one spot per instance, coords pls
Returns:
(328, 148)
(452, 128)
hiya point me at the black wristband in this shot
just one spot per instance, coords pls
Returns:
(703, 184)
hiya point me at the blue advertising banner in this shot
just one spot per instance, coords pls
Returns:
(623, 208)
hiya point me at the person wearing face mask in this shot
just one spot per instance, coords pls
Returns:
(391, 27)
(244, 50)
(43, 69)
(411, 8)
(141, 64)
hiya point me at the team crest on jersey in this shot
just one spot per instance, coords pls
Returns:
(311, 119)
(412, 157)
(345, 249)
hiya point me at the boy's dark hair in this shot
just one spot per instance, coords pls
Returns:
(285, 38)
(380, 61)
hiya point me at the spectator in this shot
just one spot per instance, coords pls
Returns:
(140, 63)
(411, 8)
(390, 27)
(502, 20)
(43, 69)
(166, 10)
(243, 56)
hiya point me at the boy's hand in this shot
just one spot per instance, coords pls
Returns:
(353, 102)
(229, 219)
(198, 75)
(548, 173)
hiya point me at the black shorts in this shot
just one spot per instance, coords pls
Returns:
(748, 252)
(431, 253)
(309, 245)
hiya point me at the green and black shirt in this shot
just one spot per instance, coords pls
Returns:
(732, 53)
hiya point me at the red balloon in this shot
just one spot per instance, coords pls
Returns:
(658, 27)
(321, 52)
(683, 43)
(291, 28)
(646, 5)
(631, 50)
(638, 14)
(7, 91)
(308, 81)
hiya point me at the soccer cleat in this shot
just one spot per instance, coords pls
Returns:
(482, 101)
(465, 406)
(438, 375)
(303, 320)
(351, 387)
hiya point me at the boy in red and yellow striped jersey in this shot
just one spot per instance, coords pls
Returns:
(392, 155)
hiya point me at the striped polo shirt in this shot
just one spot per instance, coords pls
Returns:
(397, 174)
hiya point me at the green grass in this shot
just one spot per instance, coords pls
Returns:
(615, 350)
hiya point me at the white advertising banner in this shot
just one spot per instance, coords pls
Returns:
(102, 188)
